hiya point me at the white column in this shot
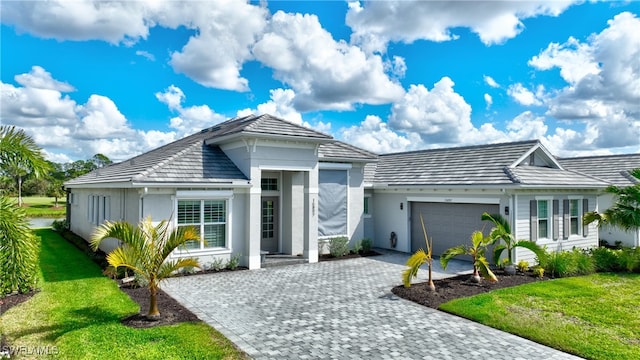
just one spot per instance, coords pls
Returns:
(311, 215)
(254, 220)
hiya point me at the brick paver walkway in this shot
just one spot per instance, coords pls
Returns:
(340, 310)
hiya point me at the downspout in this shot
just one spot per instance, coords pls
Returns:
(68, 206)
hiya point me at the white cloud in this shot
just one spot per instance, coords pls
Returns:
(190, 119)
(439, 116)
(375, 135)
(145, 54)
(489, 100)
(490, 81)
(324, 73)
(68, 130)
(280, 105)
(603, 91)
(523, 95)
(377, 23)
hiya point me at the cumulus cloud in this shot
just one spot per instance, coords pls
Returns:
(439, 116)
(523, 95)
(324, 73)
(377, 23)
(68, 130)
(490, 81)
(488, 100)
(603, 91)
(375, 135)
(190, 119)
(280, 105)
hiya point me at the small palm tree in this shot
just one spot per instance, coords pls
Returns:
(479, 244)
(502, 232)
(419, 258)
(145, 249)
(625, 213)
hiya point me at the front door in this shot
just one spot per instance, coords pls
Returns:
(270, 234)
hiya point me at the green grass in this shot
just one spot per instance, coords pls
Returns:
(40, 206)
(78, 312)
(595, 316)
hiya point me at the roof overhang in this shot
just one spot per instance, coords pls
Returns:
(254, 135)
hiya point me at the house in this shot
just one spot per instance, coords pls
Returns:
(258, 184)
(452, 187)
(615, 169)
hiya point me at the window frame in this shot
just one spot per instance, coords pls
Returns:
(366, 206)
(548, 218)
(578, 217)
(202, 196)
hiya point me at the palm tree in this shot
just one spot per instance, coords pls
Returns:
(502, 232)
(479, 244)
(625, 213)
(145, 249)
(418, 259)
(19, 156)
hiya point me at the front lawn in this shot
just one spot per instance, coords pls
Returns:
(595, 316)
(76, 315)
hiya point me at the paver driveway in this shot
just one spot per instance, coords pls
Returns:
(339, 310)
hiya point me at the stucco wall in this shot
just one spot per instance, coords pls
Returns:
(612, 234)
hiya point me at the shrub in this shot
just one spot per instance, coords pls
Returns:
(18, 250)
(605, 259)
(629, 259)
(582, 262)
(523, 266)
(538, 271)
(557, 264)
(366, 245)
(217, 264)
(233, 262)
(60, 225)
(357, 247)
(339, 246)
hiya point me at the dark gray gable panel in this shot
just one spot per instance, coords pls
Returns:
(533, 213)
(566, 219)
(556, 219)
(585, 209)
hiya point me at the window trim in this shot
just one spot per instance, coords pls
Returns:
(549, 200)
(198, 195)
(578, 200)
(366, 206)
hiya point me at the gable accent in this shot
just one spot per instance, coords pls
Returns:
(556, 219)
(585, 209)
(533, 214)
(531, 153)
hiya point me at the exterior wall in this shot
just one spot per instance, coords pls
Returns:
(389, 217)
(368, 222)
(119, 203)
(612, 234)
(523, 221)
(356, 203)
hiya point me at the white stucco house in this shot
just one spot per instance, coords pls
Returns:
(615, 169)
(260, 183)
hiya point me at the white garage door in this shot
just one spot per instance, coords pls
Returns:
(448, 224)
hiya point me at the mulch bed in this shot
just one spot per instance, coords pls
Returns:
(329, 257)
(171, 312)
(458, 287)
(12, 300)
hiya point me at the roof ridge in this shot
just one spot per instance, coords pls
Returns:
(627, 174)
(464, 147)
(599, 156)
(511, 175)
(266, 115)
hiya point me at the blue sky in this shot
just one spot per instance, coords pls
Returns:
(121, 78)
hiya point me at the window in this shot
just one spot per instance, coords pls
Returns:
(543, 219)
(269, 184)
(209, 217)
(367, 206)
(574, 216)
(332, 202)
(268, 219)
(99, 209)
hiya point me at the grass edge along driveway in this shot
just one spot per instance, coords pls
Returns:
(595, 316)
(77, 313)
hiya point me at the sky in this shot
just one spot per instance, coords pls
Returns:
(123, 77)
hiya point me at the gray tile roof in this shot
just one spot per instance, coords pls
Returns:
(472, 166)
(338, 150)
(190, 161)
(612, 168)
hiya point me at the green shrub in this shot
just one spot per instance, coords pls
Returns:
(538, 271)
(605, 259)
(233, 262)
(217, 264)
(582, 262)
(339, 246)
(366, 245)
(629, 259)
(357, 247)
(19, 249)
(60, 225)
(523, 266)
(557, 263)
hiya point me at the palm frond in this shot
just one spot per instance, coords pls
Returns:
(483, 266)
(450, 253)
(414, 262)
(531, 246)
(168, 268)
(497, 252)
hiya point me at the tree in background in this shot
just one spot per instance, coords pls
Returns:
(19, 156)
(55, 190)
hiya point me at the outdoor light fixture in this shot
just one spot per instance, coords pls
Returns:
(506, 210)
(401, 206)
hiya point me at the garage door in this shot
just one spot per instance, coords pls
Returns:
(449, 224)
